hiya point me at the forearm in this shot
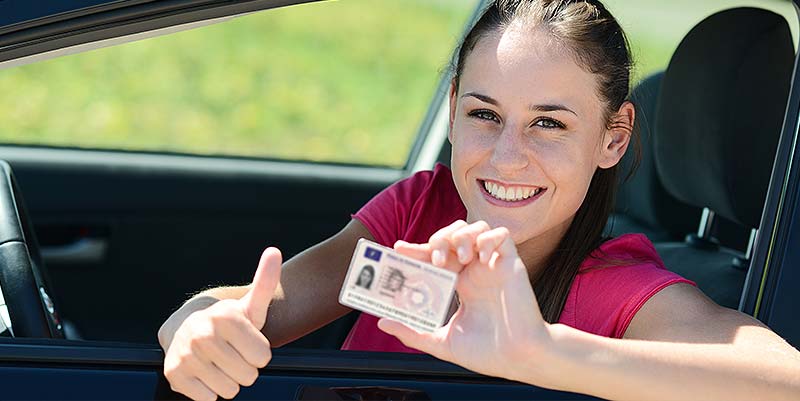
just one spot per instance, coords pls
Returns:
(650, 370)
(308, 295)
(304, 300)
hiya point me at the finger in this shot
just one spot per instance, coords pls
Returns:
(423, 252)
(216, 380)
(230, 362)
(494, 241)
(268, 274)
(411, 338)
(194, 389)
(420, 252)
(463, 240)
(248, 342)
(440, 243)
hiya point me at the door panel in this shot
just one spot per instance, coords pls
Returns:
(169, 226)
(86, 370)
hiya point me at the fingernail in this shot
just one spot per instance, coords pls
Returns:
(437, 258)
(462, 254)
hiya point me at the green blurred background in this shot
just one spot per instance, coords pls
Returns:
(340, 81)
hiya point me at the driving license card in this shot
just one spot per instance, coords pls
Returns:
(384, 283)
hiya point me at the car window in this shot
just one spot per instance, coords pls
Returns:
(656, 27)
(331, 82)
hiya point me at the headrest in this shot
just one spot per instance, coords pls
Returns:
(643, 196)
(721, 109)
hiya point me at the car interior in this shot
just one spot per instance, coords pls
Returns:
(709, 126)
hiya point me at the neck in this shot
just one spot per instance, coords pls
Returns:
(535, 252)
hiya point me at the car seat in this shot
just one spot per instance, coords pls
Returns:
(718, 120)
(643, 205)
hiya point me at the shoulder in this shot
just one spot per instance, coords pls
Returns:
(436, 181)
(397, 211)
(615, 281)
(423, 189)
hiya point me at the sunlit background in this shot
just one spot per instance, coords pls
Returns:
(344, 81)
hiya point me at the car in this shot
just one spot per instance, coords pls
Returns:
(102, 238)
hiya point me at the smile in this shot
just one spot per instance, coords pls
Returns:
(510, 193)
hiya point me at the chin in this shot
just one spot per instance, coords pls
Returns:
(520, 232)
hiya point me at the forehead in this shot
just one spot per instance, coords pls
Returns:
(530, 65)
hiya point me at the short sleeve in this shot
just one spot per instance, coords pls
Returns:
(387, 215)
(608, 291)
(411, 209)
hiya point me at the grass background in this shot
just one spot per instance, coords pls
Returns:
(341, 81)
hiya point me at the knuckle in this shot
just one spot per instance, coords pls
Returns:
(436, 237)
(250, 377)
(171, 373)
(230, 391)
(207, 396)
(195, 344)
(219, 317)
(175, 387)
(264, 358)
(459, 236)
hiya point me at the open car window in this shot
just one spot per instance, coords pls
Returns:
(342, 82)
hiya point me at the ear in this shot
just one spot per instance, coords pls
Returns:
(617, 136)
(452, 96)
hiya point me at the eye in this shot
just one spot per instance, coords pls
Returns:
(484, 114)
(548, 123)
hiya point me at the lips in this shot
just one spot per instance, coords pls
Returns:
(509, 194)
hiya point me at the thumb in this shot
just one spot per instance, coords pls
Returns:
(268, 274)
(425, 342)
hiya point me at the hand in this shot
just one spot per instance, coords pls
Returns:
(498, 321)
(218, 349)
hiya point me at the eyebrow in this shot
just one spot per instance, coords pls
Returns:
(533, 107)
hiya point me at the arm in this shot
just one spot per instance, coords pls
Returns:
(313, 275)
(217, 341)
(680, 345)
(307, 297)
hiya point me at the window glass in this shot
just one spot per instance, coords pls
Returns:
(342, 81)
(656, 27)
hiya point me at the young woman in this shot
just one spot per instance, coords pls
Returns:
(538, 122)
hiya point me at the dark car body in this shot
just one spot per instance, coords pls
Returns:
(210, 212)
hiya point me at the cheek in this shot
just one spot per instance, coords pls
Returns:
(469, 146)
(562, 161)
(569, 167)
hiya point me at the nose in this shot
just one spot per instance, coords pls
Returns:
(509, 151)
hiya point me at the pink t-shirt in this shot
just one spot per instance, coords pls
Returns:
(602, 299)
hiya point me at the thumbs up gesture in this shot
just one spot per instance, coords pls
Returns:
(216, 350)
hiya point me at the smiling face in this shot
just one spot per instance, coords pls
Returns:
(528, 131)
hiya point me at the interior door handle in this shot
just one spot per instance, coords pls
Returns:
(82, 251)
(371, 393)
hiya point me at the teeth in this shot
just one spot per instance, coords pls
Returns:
(510, 194)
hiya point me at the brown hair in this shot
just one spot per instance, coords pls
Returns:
(598, 44)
